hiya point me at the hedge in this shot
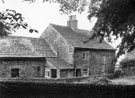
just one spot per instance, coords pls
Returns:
(64, 90)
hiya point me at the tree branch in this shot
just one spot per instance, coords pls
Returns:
(3, 1)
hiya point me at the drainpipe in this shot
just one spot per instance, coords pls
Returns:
(45, 62)
(74, 65)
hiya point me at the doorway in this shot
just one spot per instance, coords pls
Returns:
(53, 73)
(78, 72)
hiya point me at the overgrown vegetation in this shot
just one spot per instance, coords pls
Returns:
(127, 63)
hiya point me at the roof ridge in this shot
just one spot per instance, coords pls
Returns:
(83, 30)
(59, 25)
(21, 37)
(78, 30)
(69, 27)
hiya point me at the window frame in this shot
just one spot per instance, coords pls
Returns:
(85, 55)
(47, 73)
(86, 72)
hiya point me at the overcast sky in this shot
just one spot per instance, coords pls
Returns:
(38, 15)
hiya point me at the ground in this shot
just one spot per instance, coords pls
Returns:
(125, 80)
(130, 80)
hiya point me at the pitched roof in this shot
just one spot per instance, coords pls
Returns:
(14, 46)
(77, 37)
(60, 63)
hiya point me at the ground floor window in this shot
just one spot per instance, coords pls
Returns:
(38, 71)
(85, 72)
(47, 73)
(15, 72)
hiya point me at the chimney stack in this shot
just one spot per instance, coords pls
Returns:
(72, 22)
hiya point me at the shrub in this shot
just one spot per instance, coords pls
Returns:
(118, 73)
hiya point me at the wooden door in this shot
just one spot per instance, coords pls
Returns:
(53, 73)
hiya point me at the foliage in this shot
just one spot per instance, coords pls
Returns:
(68, 6)
(115, 17)
(10, 20)
(118, 73)
(127, 63)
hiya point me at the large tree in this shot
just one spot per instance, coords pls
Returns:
(114, 17)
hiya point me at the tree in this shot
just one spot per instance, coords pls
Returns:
(68, 6)
(10, 20)
(114, 18)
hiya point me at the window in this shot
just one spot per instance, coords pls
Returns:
(15, 72)
(38, 71)
(38, 68)
(104, 60)
(85, 72)
(104, 64)
(47, 73)
(85, 55)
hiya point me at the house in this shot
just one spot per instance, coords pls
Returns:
(86, 59)
(60, 52)
(23, 57)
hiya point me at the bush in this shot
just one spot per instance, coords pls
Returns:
(127, 63)
(118, 73)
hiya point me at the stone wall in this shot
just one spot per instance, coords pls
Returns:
(27, 68)
(95, 60)
(66, 73)
(58, 44)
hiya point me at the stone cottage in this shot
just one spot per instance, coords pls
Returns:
(86, 59)
(22, 57)
(60, 52)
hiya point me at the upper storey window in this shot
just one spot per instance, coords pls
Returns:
(85, 55)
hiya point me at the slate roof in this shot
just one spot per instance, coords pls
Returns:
(14, 46)
(60, 63)
(77, 37)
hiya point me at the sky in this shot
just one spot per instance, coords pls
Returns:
(39, 15)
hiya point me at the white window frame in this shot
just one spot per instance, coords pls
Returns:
(47, 73)
(85, 55)
(86, 72)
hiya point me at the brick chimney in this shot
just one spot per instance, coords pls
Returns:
(72, 22)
